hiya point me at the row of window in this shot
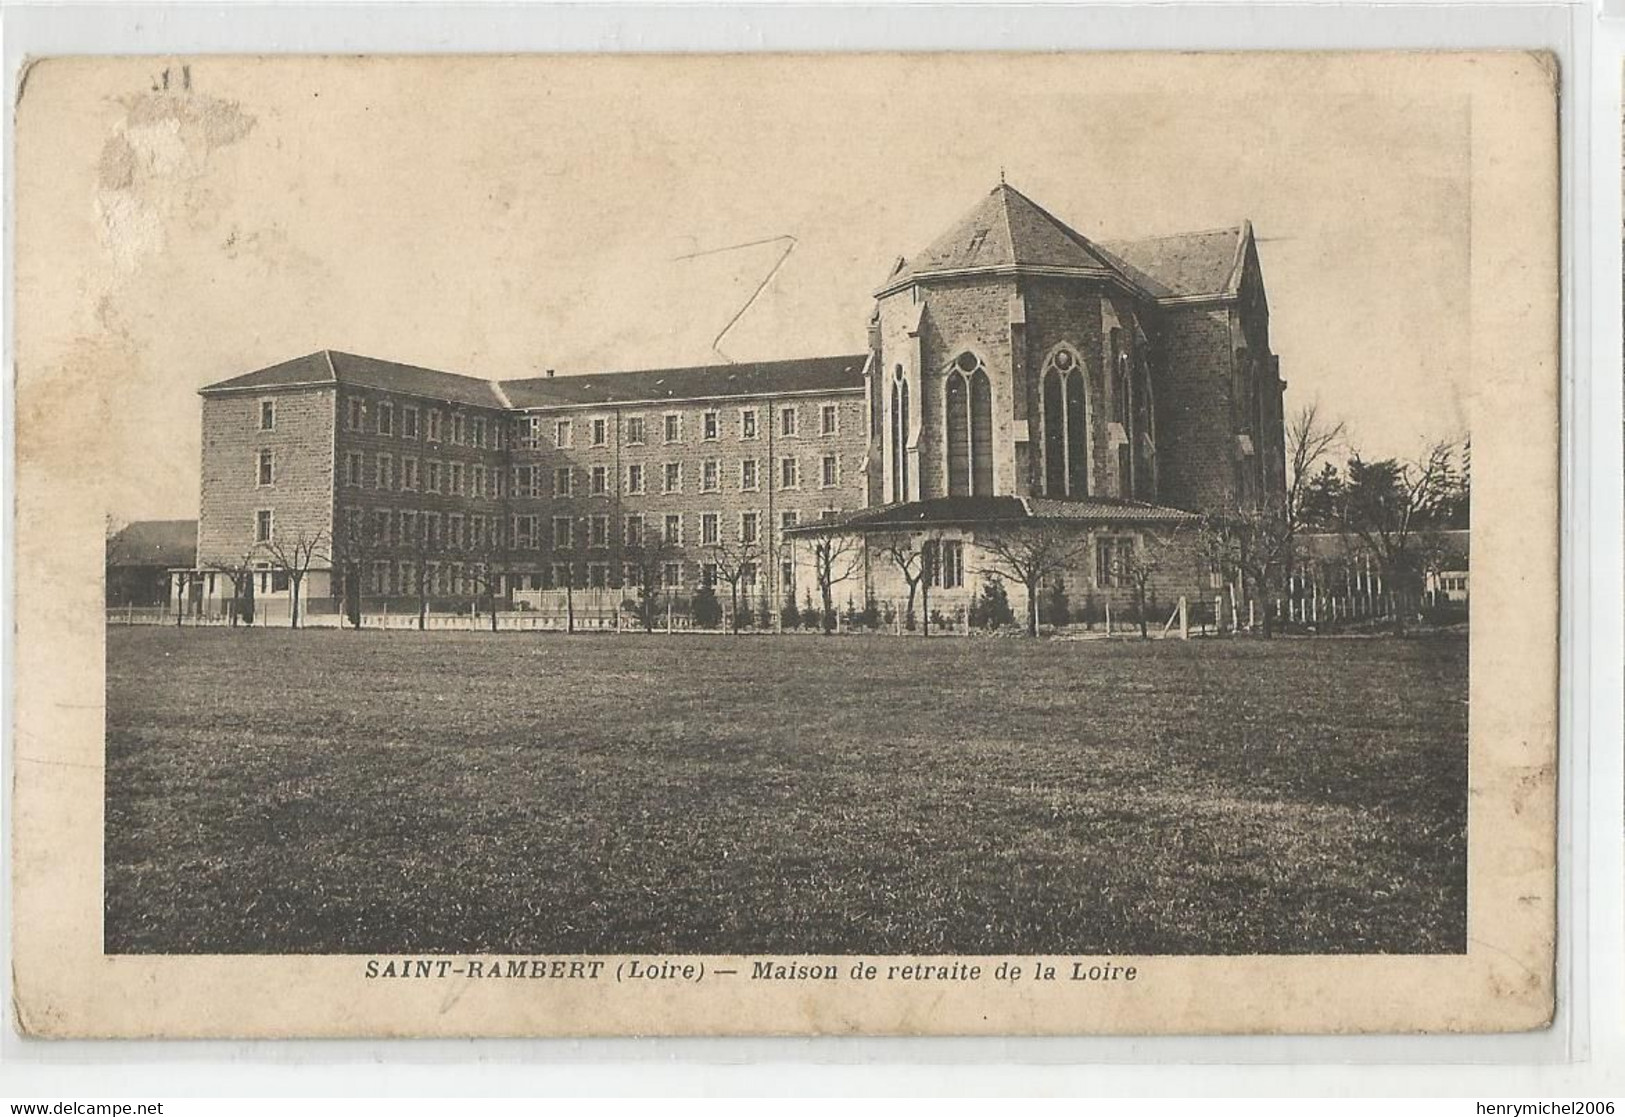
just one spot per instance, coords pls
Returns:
(458, 479)
(434, 530)
(451, 478)
(431, 424)
(386, 578)
(531, 433)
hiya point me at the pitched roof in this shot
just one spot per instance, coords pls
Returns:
(154, 543)
(1006, 229)
(972, 510)
(331, 366)
(1183, 265)
(747, 378)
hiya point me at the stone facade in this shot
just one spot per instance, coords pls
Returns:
(1013, 359)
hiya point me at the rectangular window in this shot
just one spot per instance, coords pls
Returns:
(386, 418)
(634, 530)
(674, 477)
(352, 415)
(597, 575)
(709, 472)
(634, 478)
(787, 421)
(354, 469)
(749, 527)
(829, 478)
(262, 526)
(456, 478)
(631, 576)
(561, 533)
(385, 477)
(634, 431)
(561, 481)
(267, 415)
(708, 574)
(789, 473)
(431, 529)
(476, 480)
(951, 566)
(828, 419)
(434, 426)
(380, 526)
(787, 578)
(457, 429)
(563, 437)
(788, 520)
(410, 481)
(522, 530)
(535, 478)
(747, 423)
(454, 530)
(493, 483)
(747, 575)
(674, 427)
(1112, 554)
(600, 480)
(521, 481)
(600, 432)
(708, 424)
(265, 470)
(600, 531)
(674, 530)
(708, 529)
(747, 476)
(434, 477)
(409, 422)
(479, 433)
(409, 528)
(674, 575)
(561, 574)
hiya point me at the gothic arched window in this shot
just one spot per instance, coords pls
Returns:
(981, 433)
(1065, 421)
(899, 435)
(967, 401)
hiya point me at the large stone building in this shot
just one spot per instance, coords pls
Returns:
(1015, 371)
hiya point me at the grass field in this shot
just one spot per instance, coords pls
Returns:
(460, 792)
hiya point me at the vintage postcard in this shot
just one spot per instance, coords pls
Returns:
(873, 544)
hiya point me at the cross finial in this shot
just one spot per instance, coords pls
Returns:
(1001, 176)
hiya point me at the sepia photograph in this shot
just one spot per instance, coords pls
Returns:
(573, 517)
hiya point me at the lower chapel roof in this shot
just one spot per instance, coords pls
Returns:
(960, 510)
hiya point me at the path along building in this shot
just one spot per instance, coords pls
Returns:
(1016, 373)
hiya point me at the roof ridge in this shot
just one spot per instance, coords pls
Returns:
(332, 370)
(862, 354)
(1174, 236)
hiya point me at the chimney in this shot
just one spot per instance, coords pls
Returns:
(550, 374)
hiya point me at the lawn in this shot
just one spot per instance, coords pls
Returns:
(275, 791)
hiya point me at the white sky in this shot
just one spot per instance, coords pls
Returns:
(503, 216)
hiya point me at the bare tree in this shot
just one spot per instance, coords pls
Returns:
(354, 546)
(646, 560)
(1031, 552)
(294, 558)
(1310, 440)
(1253, 544)
(836, 557)
(1391, 507)
(914, 560)
(240, 571)
(1138, 566)
(734, 560)
(488, 553)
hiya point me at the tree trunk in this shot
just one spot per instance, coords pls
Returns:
(733, 601)
(925, 606)
(1139, 603)
(827, 621)
(293, 600)
(1032, 608)
(570, 602)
